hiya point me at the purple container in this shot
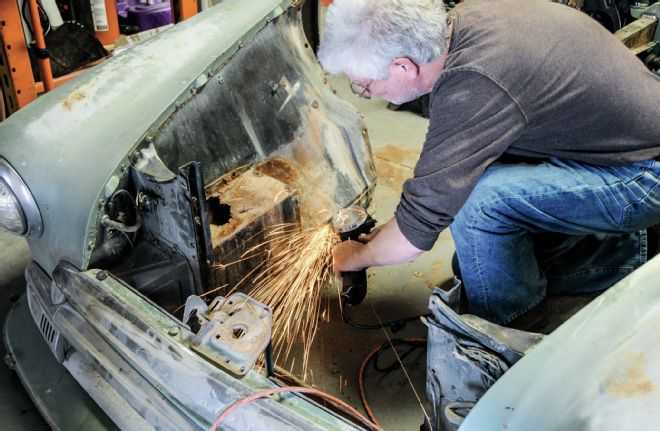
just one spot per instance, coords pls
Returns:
(122, 8)
(149, 16)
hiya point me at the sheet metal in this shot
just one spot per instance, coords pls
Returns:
(598, 371)
(68, 143)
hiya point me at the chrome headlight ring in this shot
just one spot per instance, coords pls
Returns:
(28, 209)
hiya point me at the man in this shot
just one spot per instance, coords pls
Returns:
(517, 78)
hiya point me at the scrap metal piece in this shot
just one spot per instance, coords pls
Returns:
(234, 330)
(638, 35)
(466, 355)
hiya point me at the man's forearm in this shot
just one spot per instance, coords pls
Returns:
(388, 247)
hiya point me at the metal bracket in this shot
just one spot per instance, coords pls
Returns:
(234, 330)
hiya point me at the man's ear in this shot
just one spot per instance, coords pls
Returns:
(404, 68)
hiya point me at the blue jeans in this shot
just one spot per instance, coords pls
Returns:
(559, 226)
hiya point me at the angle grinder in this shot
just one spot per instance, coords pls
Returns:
(350, 223)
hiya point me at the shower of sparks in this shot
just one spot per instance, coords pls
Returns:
(291, 282)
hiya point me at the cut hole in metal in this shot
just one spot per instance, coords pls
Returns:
(218, 212)
(238, 332)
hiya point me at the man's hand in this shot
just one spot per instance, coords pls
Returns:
(346, 256)
(386, 245)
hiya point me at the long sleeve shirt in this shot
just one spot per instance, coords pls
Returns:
(528, 78)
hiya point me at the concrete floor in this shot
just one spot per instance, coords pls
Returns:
(394, 292)
(16, 409)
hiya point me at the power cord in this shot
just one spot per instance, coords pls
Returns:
(394, 325)
(42, 12)
(295, 389)
(414, 343)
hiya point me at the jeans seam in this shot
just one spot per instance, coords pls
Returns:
(626, 212)
(483, 288)
(591, 270)
(483, 206)
(523, 310)
(643, 248)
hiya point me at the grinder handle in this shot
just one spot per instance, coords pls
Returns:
(354, 284)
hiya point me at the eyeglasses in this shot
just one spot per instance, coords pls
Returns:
(361, 90)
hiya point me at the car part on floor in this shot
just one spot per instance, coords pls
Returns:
(598, 371)
(465, 356)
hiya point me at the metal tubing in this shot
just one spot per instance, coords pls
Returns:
(44, 63)
(39, 86)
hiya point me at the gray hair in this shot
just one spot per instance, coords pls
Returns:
(362, 37)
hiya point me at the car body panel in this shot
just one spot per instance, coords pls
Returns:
(235, 86)
(72, 146)
(597, 371)
(46, 380)
(79, 135)
(124, 346)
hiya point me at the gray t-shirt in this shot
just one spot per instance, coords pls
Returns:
(529, 78)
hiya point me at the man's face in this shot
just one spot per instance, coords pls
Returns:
(394, 89)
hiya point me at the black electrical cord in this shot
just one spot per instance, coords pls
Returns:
(413, 344)
(42, 12)
(374, 354)
(394, 325)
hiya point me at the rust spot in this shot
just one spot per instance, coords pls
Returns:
(279, 169)
(437, 266)
(219, 231)
(631, 382)
(395, 154)
(73, 98)
(391, 175)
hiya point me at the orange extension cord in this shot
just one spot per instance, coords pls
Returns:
(363, 366)
(299, 389)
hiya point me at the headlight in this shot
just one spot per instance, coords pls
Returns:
(11, 216)
(18, 210)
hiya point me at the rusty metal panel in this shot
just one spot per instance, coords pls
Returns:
(272, 100)
(241, 207)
